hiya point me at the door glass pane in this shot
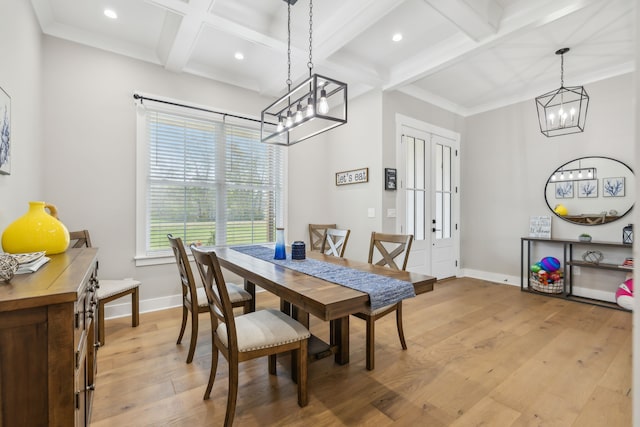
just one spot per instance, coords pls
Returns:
(419, 233)
(411, 170)
(438, 218)
(446, 168)
(446, 223)
(438, 167)
(420, 164)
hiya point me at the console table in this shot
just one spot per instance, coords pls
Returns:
(567, 265)
(48, 342)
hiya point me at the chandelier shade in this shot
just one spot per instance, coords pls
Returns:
(562, 111)
(316, 105)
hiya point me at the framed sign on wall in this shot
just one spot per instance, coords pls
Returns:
(355, 176)
(390, 178)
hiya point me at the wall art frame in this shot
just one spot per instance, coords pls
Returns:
(5, 133)
(356, 176)
(564, 190)
(390, 178)
(613, 187)
(588, 188)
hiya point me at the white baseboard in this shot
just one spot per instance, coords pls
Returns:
(122, 307)
(515, 281)
(491, 277)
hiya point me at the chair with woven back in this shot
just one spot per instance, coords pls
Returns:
(109, 289)
(316, 235)
(335, 242)
(389, 247)
(260, 333)
(194, 298)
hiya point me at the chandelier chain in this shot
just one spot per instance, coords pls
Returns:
(310, 63)
(289, 45)
(562, 70)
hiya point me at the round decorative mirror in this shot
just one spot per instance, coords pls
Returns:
(591, 190)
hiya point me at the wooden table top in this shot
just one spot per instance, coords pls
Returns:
(321, 298)
(55, 282)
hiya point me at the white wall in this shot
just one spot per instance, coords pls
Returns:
(21, 78)
(356, 145)
(506, 162)
(90, 147)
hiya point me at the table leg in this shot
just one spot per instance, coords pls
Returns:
(340, 337)
(251, 288)
(302, 317)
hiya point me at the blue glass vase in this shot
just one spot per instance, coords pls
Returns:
(281, 251)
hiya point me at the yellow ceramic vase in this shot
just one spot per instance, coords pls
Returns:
(35, 231)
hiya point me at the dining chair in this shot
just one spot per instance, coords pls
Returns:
(389, 247)
(249, 336)
(109, 289)
(194, 298)
(335, 242)
(316, 235)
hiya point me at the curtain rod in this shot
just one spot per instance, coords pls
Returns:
(142, 98)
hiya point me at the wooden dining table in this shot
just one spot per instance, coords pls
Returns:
(309, 295)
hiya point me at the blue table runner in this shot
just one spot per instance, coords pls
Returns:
(382, 290)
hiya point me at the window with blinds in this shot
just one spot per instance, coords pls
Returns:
(209, 181)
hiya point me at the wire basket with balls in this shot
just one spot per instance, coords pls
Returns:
(547, 276)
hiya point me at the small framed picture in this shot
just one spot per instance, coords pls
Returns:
(588, 188)
(5, 133)
(390, 178)
(613, 187)
(564, 190)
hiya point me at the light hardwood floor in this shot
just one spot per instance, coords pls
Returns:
(479, 354)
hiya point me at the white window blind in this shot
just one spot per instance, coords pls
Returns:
(209, 180)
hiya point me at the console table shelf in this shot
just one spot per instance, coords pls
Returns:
(568, 263)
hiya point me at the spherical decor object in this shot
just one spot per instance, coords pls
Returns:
(624, 294)
(550, 264)
(593, 257)
(8, 267)
(535, 268)
(561, 210)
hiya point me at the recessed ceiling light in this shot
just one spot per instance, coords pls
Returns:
(397, 37)
(110, 13)
(239, 56)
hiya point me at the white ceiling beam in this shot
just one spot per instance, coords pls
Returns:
(459, 47)
(476, 18)
(351, 20)
(180, 37)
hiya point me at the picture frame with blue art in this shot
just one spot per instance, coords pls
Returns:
(5, 132)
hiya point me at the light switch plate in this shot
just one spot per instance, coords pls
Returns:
(391, 213)
(371, 212)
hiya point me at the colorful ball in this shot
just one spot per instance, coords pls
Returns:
(624, 294)
(535, 268)
(550, 264)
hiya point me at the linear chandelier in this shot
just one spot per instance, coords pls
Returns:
(316, 105)
(574, 174)
(564, 110)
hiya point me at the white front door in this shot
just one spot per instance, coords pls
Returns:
(428, 197)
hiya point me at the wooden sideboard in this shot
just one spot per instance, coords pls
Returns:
(48, 342)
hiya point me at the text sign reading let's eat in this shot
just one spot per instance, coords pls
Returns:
(352, 177)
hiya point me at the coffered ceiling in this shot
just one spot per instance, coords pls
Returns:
(466, 56)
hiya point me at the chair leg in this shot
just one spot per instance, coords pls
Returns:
(184, 324)
(272, 364)
(212, 373)
(233, 393)
(370, 343)
(399, 323)
(194, 336)
(246, 308)
(101, 323)
(135, 308)
(301, 355)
